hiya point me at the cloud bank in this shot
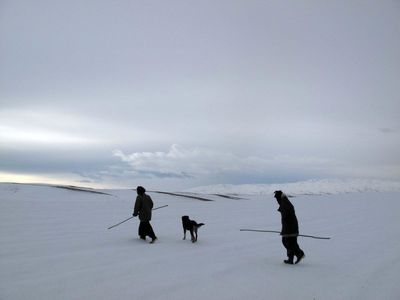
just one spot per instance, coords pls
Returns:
(188, 162)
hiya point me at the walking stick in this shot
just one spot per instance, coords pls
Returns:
(160, 207)
(133, 217)
(289, 235)
(120, 222)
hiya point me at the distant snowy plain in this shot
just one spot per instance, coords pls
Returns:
(55, 244)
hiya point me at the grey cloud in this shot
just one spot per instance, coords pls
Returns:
(387, 130)
(194, 162)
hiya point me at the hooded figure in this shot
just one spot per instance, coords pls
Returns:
(143, 207)
(290, 228)
(289, 220)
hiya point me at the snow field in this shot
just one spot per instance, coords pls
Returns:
(55, 245)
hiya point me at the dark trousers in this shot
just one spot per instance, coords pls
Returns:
(292, 247)
(145, 229)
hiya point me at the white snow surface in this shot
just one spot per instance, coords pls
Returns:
(55, 245)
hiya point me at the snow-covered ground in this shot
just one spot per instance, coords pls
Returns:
(55, 245)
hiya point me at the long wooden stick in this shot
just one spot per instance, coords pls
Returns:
(133, 217)
(288, 235)
(160, 207)
(120, 222)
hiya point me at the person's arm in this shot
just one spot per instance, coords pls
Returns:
(138, 206)
(151, 202)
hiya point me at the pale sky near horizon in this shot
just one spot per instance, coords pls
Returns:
(176, 94)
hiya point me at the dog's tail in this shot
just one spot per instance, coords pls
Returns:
(200, 224)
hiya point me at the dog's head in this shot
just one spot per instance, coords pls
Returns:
(185, 218)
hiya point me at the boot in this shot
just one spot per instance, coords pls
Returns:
(300, 257)
(289, 261)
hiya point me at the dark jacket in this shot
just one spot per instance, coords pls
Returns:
(289, 220)
(143, 207)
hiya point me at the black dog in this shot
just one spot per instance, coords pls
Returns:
(192, 226)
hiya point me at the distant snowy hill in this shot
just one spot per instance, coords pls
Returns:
(310, 187)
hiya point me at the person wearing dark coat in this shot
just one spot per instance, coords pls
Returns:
(143, 207)
(290, 228)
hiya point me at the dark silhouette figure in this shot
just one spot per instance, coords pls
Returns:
(290, 228)
(143, 207)
(192, 226)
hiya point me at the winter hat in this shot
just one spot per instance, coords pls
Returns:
(140, 190)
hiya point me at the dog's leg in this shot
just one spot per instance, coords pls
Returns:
(184, 233)
(195, 233)
(192, 235)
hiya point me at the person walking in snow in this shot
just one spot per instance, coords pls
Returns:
(143, 207)
(290, 228)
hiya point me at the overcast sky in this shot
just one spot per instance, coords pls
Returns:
(176, 94)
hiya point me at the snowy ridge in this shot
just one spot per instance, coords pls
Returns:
(309, 187)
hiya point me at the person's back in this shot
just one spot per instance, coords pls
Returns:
(289, 219)
(143, 207)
